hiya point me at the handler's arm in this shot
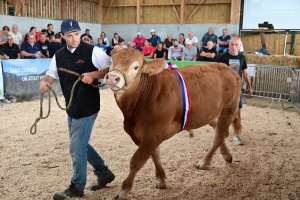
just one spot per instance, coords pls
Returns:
(247, 80)
(50, 76)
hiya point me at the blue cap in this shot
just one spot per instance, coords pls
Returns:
(69, 25)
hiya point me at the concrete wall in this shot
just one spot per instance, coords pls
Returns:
(25, 23)
(128, 31)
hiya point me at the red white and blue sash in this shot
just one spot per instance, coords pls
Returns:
(185, 95)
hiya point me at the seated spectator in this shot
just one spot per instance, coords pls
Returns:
(241, 49)
(43, 42)
(114, 42)
(104, 39)
(86, 40)
(54, 46)
(133, 45)
(175, 52)
(154, 38)
(209, 36)
(33, 31)
(30, 48)
(223, 41)
(181, 39)
(51, 38)
(3, 55)
(49, 31)
(63, 41)
(17, 36)
(87, 34)
(192, 38)
(168, 42)
(121, 44)
(11, 49)
(139, 40)
(148, 50)
(160, 52)
(190, 52)
(209, 52)
(3, 35)
(101, 45)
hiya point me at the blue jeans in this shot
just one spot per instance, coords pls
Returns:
(82, 152)
(222, 49)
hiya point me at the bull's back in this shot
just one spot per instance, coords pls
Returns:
(212, 88)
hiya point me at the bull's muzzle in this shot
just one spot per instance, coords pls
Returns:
(111, 79)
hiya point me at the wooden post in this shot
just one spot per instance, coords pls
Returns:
(138, 11)
(107, 11)
(99, 16)
(235, 11)
(182, 12)
(63, 9)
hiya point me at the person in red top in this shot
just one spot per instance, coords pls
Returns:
(148, 50)
(139, 40)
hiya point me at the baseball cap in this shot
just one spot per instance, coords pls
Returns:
(139, 33)
(189, 42)
(152, 30)
(69, 25)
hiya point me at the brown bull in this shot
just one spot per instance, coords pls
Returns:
(151, 101)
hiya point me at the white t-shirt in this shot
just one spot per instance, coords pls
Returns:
(193, 40)
(99, 59)
(16, 37)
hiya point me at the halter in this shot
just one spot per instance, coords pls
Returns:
(125, 78)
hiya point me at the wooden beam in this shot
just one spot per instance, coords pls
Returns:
(189, 17)
(18, 8)
(99, 15)
(174, 8)
(107, 11)
(10, 1)
(94, 1)
(138, 11)
(235, 11)
(182, 12)
(63, 10)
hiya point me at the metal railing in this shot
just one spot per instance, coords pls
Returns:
(295, 91)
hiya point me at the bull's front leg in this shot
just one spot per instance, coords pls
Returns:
(159, 171)
(139, 158)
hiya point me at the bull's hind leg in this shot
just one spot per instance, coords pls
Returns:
(145, 150)
(221, 130)
(159, 171)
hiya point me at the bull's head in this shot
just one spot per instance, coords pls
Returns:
(127, 66)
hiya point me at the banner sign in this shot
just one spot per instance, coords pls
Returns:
(22, 77)
(1, 82)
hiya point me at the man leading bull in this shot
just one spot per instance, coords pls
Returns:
(92, 63)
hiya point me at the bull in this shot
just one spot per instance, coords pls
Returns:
(152, 102)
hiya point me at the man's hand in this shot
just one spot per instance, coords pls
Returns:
(44, 86)
(249, 91)
(89, 77)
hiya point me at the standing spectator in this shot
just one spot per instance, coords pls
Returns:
(133, 45)
(85, 106)
(181, 39)
(192, 38)
(139, 40)
(241, 50)
(44, 43)
(86, 40)
(168, 42)
(12, 50)
(148, 50)
(101, 45)
(190, 52)
(104, 38)
(17, 36)
(176, 51)
(87, 34)
(223, 41)
(209, 52)
(54, 46)
(154, 38)
(237, 62)
(160, 52)
(49, 31)
(30, 48)
(209, 36)
(33, 31)
(3, 35)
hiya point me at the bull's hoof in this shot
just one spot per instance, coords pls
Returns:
(191, 135)
(201, 166)
(229, 160)
(118, 198)
(160, 186)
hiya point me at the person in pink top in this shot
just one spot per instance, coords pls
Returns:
(139, 40)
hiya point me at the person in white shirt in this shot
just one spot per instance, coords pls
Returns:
(17, 36)
(192, 38)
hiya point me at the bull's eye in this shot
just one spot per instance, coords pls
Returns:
(136, 67)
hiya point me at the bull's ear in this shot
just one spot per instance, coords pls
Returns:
(155, 66)
(115, 50)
